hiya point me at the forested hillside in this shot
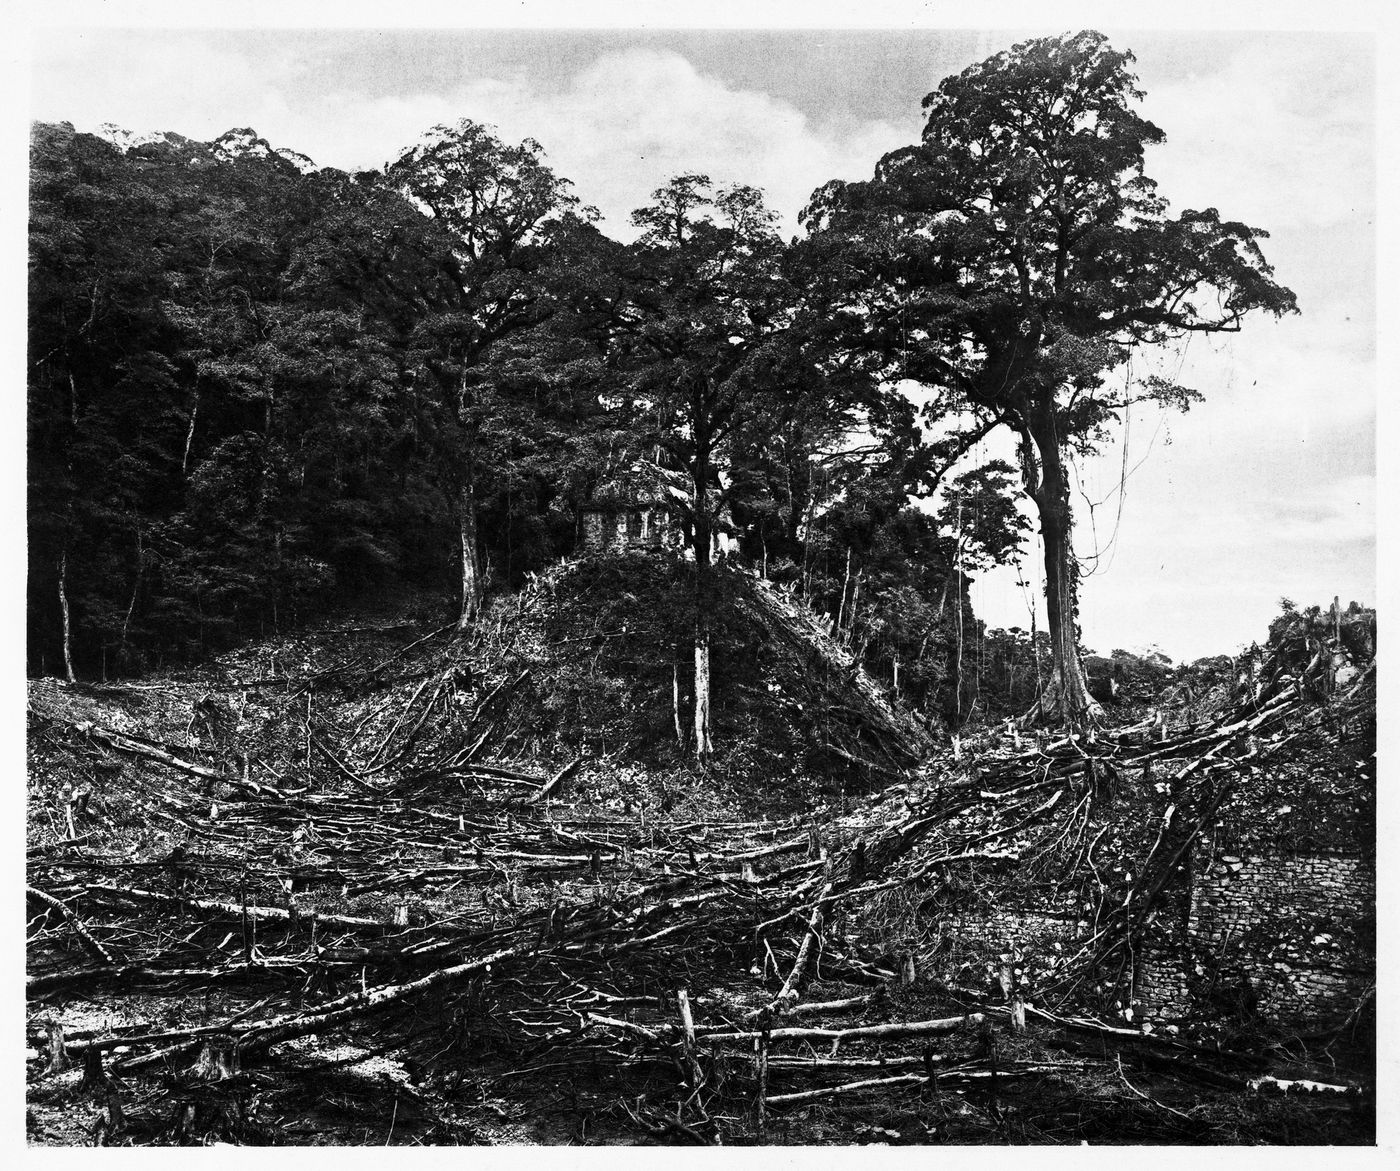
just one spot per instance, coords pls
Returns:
(257, 387)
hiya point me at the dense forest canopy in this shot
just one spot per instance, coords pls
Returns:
(256, 387)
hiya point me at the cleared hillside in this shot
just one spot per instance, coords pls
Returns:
(375, 884)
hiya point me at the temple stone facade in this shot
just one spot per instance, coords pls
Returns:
(619, 528)
(1283, 936)
(642, 506)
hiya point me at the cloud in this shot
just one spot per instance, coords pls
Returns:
(151, 82)
(1279, 137)
(1273, 385)
(624, 124)
(619, 127)
(1342, 512)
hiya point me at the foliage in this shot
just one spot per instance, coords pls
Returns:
(227, 426)
(1019, 254)
(256, 386)
(215, 437)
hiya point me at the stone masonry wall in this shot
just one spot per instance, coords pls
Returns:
(998, 931)
(1293, 933)
(616, 530)
(1283, 937)
(970, 945)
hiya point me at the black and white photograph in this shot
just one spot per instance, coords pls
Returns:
(632, 575)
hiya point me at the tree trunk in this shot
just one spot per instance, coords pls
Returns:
(700, 541)
(471, 573)
(135, 589)
(676, 706)
(63, 608)
(1066, 699)
(189, 435)
(958, 628)
(1035, 644)
(841, 601)
(704, 747)
(466, 505)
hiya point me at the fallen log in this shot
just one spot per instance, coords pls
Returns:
(344, 769)
(887, 1032)
(74, 922)
(1301, 1086)
(822, 1006)
(550, 787)
(652, 1035)
(788, 992)
(260, 1034)
(267, 914)
(136, 747)
(402, 651)
(882, 1083)
(1257, 1061)
(496, 773)
(949, 1079)
(382, 750)
(817, 1064)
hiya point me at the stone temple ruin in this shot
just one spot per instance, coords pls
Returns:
(1263, 931)
(643, 506)
(1269, 918)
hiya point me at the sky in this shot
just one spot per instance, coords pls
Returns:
(1267, 489)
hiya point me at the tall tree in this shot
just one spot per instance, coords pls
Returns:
(1019, 254)
(495, 205)
(707, 300)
